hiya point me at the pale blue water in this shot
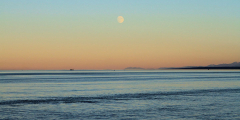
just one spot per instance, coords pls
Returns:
(193, 94)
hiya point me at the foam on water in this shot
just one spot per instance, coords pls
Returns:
(139, 96)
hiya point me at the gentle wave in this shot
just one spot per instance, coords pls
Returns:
(98, 99)
(110, 78)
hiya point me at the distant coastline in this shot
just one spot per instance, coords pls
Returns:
(233, 66)
(209, 68)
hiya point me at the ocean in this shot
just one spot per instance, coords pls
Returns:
(133, 95)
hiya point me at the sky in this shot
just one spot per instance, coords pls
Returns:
(85, 34)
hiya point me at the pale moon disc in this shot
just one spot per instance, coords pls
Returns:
(120, 19)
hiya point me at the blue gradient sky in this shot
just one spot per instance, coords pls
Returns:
(85, 34)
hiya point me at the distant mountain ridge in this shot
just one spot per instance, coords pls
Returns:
(234, 65)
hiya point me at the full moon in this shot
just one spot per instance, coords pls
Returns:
(120, 19)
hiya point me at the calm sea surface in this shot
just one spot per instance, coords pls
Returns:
(173, 94)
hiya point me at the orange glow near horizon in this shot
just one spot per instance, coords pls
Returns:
(112, 56)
